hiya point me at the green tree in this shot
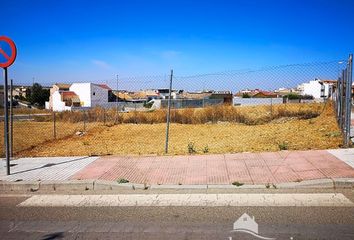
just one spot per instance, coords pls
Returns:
(245, 95)
(37, 95)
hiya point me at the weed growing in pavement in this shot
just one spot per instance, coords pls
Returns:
(237, 184)
(122, 180)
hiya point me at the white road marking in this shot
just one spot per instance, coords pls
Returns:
(159, 200)
(345, 155)
(53, 168)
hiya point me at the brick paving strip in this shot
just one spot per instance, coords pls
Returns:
(246, 168)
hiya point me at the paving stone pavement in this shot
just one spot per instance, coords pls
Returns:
(53, 168)
(247, 168)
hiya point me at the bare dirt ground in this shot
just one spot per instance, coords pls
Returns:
(318, 133)
(36, 138)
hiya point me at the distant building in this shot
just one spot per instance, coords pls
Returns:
(285, 91)
(19, 92)
(256, 93)
(65, 97)
(195, 99)
(56, 87)
(317, 88)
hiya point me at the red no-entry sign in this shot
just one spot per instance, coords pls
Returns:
(7, 57)
(8, 52)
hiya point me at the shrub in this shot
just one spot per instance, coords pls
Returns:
(283, 146)
(191, 148)
(206, 149)
(307, 97)
(148, 104)
(293, 96)
(245, 95)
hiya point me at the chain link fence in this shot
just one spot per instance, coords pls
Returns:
(343, 101)
(288, 107)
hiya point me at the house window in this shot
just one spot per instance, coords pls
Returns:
(245, 219)
(93, 93)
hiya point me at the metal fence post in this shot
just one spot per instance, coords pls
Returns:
(341, 99)
(337, 99)
(271, 108)
(54, 126)
(11, 120)
(104, 117)
(117, 104)
(84, 121)
(348, 100)
(168, 113)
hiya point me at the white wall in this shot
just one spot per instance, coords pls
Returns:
(256, 101)
(101, 96)
(83, 90)
(58, 105)
(47, 105)
(314, 88)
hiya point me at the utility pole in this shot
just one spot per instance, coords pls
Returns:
(168, 113)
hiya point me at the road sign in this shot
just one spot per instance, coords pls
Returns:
(7, 57)
(7, 52)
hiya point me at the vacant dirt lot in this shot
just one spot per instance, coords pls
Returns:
(318, 133)
(294, 133)
(28, 134)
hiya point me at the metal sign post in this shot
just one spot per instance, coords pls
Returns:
(11, 120)
(6, 123)
(8, 54)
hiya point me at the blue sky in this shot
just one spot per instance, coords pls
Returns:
(67, 41)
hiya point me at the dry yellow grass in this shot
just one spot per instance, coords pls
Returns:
(250, 115)
(18, 111)
(297, 134)
(28, 134)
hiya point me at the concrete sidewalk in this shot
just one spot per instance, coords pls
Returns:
(246, 168)
(47, 169)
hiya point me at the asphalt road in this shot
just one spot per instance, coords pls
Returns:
(171, 222)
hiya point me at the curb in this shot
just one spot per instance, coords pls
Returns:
(97, 185)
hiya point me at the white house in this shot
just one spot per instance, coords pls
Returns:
(83, 95)
(317, 88)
